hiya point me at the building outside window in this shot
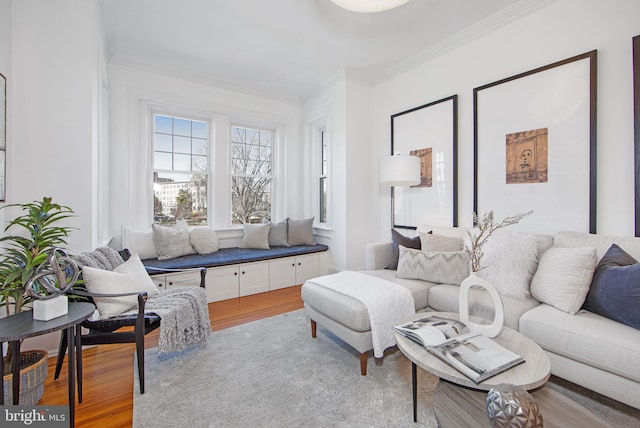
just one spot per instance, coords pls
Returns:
(323, 180)
(251, 174)
(180, 169)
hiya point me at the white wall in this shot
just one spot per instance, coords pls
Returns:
(5, 68)
(57, 50)
(134, 89)
(561, 30)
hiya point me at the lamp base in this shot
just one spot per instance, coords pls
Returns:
(45, 310)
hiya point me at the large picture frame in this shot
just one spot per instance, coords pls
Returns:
(535, 146)
(3, 137)
(636, 128)
(430, 132)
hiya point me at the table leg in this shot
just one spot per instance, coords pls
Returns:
(414, 384)
(71, 363)
(15, 368)
(79, 360)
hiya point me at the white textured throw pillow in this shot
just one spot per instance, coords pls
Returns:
(256, 236)
(300, 232)
(564, 276)
(511, 259)
(139, 242)
(172, 242)
(441, 267)
(204, 240)
(278, 236)
(129, 277)
(432, 243)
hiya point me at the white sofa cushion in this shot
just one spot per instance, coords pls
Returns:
(139, 242)
(446, 298)
(585, 337)
(564, 276)
(601, 242)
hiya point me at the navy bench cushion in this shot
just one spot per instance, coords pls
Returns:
(230, 256)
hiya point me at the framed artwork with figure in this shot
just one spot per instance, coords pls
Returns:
(429, 132)
(535, 146)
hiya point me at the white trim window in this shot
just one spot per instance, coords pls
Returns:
(251, 174)
(323, 178)
(180, 169)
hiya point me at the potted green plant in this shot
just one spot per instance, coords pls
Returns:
(26, 245)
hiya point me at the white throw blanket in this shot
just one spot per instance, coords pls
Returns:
(387, 303)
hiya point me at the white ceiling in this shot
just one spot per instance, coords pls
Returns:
(286, 49)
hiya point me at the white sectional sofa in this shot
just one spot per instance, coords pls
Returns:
(585, 348)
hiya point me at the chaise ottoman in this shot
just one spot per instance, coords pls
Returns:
(348, 318)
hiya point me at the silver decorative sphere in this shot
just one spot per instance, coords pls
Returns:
(512, 406)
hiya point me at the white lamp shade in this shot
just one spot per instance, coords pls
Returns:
(400, 170)
(369, 6)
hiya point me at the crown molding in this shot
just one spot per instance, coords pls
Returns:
(130, 61)
(498, 20)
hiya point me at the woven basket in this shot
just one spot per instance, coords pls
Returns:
(34, 366)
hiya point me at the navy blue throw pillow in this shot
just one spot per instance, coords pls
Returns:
(615, 289)
(399, 239)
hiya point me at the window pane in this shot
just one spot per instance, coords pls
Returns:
(199, 163)
(251, 200)
(323, 200)
(163, 124)
(181, 162)
(200, 129)
(181, 127)
(182, 145)
(179, 196)
(162, 142)
(162, 160)
(199, 146)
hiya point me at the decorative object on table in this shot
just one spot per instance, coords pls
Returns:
(516, 119)
(49, 284)
(510, 406)
(484, 228)
(427, 131)
(23, 253)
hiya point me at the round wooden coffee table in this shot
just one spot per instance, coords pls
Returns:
(531, 374)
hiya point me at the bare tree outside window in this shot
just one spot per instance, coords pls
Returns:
(251, 175)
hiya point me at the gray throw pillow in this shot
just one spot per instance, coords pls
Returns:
(172, 242)
(397, 240)
(432, 243)
(300, 232)
(278, 235)
(256, 236)
(441, 267)
(204, 239)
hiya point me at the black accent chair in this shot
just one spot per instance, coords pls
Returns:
(107, 331)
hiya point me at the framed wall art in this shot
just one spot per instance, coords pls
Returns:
(429, 132)
(3, 136)
(535, 146)
(636, 127)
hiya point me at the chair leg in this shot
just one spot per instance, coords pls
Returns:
(313, 329)
(140, 356)
(363, 363)
(62, 350)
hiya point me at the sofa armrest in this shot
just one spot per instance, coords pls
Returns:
(377, 255)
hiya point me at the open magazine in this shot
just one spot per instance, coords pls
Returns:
(472, 354)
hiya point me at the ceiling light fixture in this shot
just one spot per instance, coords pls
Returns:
(369, 6)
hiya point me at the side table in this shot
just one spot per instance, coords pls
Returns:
(20, 326)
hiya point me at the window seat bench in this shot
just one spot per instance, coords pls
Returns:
(234, 272)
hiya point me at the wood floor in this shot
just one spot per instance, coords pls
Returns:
(108, 369)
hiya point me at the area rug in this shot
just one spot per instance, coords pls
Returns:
(271, 373)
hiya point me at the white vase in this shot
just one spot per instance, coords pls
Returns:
(490, 330)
